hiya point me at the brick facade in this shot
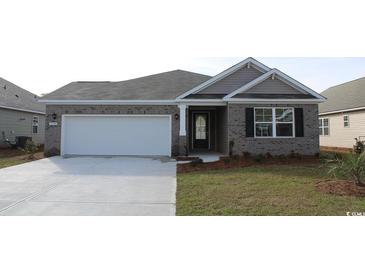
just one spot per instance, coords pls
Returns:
(234, 131)
(307, 145)
(53, 133)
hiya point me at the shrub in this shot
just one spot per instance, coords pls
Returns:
(235, 157)
(351, 166)
(359, 146)
(331, 156)
(327, 156)
(246, 154)
(282, 157)
(259, 158)
(295, 155)
(231, 145)
(30, 148)
(227, 160)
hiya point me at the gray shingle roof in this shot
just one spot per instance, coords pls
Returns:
(16, 97)
(345, 96)
(162, 86)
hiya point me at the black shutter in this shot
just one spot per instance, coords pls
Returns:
(299, 123)
(250, 124)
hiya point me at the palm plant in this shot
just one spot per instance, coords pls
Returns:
(351, 166)
(30, 148)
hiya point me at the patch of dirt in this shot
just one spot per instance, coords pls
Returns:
(335, 149)
(10, 152)
(341, 188)
(221, 164)
(227, 163)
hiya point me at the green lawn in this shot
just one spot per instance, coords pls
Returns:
(265, 190)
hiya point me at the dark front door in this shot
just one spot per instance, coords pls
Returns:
(201, 130)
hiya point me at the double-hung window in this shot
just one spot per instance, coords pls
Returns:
(35, 124)
(346, 121)
(324, 127)
(274, 122)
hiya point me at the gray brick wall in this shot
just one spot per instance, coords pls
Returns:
(53, 133)
(307, 145)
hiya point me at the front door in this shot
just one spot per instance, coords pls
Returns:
(201, 130)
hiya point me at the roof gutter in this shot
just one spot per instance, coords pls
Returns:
(341, 110)
(23, 110)
(274, 101)
(108, 102)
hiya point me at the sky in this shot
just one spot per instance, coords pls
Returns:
(47, 44)
(316, 73)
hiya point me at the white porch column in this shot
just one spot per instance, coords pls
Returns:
(182, 108)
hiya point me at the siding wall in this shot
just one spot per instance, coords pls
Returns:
(341, 136)
(270, 86)
(233, 81)
(18, 123)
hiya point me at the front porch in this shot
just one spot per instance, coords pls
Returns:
(204, 131)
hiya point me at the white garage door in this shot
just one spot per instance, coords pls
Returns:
(116, 135)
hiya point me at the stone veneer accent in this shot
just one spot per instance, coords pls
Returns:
(307, 145)
(53, 133)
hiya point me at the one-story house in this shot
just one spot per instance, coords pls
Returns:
(247, 108)
(342, 116)
(20, 114)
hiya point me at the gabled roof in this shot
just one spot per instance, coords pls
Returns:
(162, 86)
(178, 86)
(249, 61)
(17, 98)
(281, 76)
(346, 96)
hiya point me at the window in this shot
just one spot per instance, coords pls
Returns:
(274, 122)
(346, 121)
(35, 124)
(324, 127)
(200, 127)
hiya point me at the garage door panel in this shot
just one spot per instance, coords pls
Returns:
(116, 135)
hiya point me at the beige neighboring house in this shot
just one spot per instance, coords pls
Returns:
(20, 114)
(342, 116)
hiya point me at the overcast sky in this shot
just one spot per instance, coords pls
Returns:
(47, 44)
(317, 73)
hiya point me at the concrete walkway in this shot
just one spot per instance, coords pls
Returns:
(89, 186)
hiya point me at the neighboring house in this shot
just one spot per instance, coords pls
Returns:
(342, 116)
(20, 114)
(246, 108)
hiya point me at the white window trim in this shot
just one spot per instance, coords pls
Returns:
(35, 124)
(348, 120)
(323, 127)
(273, 123)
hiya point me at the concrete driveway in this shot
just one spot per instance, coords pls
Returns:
(89, 186)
